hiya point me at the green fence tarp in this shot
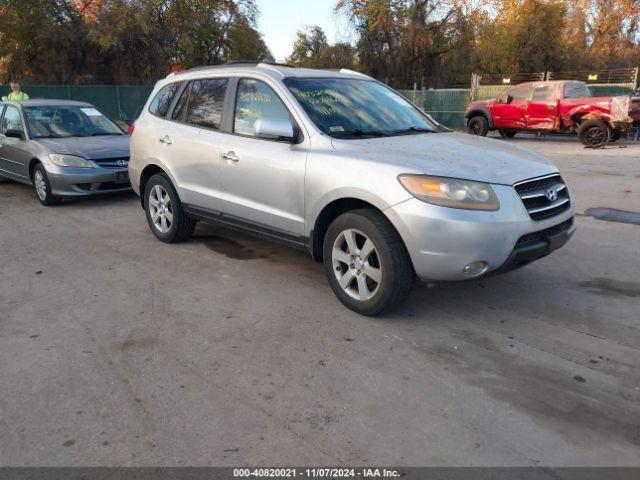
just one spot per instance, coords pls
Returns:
(120, 102)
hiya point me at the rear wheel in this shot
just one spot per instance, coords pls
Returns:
(594, 133)
(366, 262)
(478, 125)
(43, 187)
(167, 220)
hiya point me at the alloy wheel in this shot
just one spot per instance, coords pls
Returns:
(40, 184)
(596, 136)
(356, 264)
(161, 209)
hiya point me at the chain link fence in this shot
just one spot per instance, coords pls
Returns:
(120, 102)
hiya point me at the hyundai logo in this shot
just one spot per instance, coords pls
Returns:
(122, 163)
(552, 194)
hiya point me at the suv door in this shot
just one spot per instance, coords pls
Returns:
(14, 156)
(262, 179)
(510, 113)
(190, 142)
(542, 110)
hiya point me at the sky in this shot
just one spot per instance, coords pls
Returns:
(280, 20)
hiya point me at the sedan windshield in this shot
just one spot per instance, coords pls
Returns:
(68, 121)
(353, 108)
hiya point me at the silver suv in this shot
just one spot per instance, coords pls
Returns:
(339, 164)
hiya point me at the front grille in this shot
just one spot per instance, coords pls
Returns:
(534, 196)
(543, 235)
(120, 162)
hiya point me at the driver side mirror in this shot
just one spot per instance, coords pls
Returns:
(15, 133)
(274, 129)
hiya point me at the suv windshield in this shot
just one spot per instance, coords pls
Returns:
(353, 108)
(68, 121)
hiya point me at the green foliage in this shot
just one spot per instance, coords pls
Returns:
(123, 41)
(312, 50)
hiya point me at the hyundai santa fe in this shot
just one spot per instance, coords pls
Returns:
(341, 165)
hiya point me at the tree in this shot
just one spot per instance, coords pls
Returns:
(312, 50)
(123, 41)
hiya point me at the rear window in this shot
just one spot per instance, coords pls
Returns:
(162, 101)
(205, 103)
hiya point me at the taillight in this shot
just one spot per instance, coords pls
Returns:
(132, 127)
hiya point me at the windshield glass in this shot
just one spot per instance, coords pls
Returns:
(350, 108)
(67, 121)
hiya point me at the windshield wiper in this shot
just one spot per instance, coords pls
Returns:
(364, 133)
(412, 130)
(101, 134)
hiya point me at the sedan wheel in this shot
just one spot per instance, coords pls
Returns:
(41, 186)
(356, 264)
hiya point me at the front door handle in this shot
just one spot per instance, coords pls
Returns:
(231, 156)
(166, 139)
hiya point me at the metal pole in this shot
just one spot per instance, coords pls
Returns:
(415, 92)
(118, 96)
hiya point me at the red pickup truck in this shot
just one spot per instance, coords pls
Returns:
(555, 106)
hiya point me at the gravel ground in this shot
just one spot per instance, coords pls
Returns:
(116, 349)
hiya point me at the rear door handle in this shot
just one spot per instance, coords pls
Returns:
(166, 139)
(231, 156)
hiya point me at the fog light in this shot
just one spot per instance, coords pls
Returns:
(475, 269)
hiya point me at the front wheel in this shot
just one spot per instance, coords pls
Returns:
(478, 125)
(366, 262)
(594, 133)
(43, 187)
(167, 220)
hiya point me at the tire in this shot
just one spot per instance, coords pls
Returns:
(507, 133)
(373, 282)
(165, 215)
(594, 133)
(478, 125)
(42, 186)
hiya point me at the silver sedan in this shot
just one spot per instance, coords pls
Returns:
(63, 148)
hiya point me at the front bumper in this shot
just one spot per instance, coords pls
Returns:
(72, 181)
(442, 241)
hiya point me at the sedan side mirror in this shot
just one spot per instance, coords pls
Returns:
(273, 129)
(15, 133)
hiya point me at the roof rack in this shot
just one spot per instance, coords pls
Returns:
(236, 63)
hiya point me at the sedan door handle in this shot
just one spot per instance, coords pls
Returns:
(231, 156)
(166, 139)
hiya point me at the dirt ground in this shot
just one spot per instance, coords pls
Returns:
(116, 349)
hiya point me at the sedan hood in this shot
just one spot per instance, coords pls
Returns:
(454, 155)
(91, 148)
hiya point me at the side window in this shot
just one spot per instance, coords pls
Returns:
(519, 94)
(256, 100)
(206, 102)
(161, 102)
(181, 105)
(543, 93)
(576, 90)
(11, 120)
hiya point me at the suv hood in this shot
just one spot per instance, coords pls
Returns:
(91, 148)
(454, 155)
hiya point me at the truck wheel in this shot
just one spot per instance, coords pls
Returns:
(594, 133)
(366, 262)
(478, 126)
(507, 133)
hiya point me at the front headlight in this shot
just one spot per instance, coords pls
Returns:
(70, 161)
(451, 192)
